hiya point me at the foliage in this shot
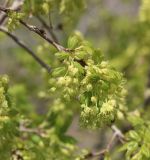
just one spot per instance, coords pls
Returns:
(97, 86)
(138, 140)
(104, 86)
(8, 120)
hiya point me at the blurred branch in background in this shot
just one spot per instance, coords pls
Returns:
(116, 134)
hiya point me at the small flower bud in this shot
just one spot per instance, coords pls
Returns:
(75, 81)
(61, 81)
(74, 71)
(112, 102)
(87, 110)
(104, 64)
(68, 80)
(94, 99)
(70, 68)
(90, 62)
(89, 87)
(53, 89)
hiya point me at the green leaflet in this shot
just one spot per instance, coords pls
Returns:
(137, 144)
(73, 42)
(58, 71)
(62, 55)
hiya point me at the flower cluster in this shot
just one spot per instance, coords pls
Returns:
(13, 20)
(86, 76)
(101, 94)
(7, 122)
(3, 97)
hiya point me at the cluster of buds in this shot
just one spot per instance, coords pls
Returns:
(68, 79)
(3, 96)
(97, 86)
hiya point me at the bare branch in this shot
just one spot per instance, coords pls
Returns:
(111, 141)
(48, 28)
(95, 154)
(37, 131)
(117, 134)
(42, 34)
(38, 31)
(20, 43)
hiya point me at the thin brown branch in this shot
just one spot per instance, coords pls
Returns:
(42, 34)
(38, 131)
(56, 45)
(32, 130)
(48, 28)
(117, 134)
(38, 31)
(111, 141)
(95, 154)
(102, 152)
(3, 9)
(20, 43)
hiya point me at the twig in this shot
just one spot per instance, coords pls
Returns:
(38, 31)
(20, 43)
(95, 154)
(111, 141)
(42, 34)
(103, 151)
(31, 130)
(37, 131)
(48, 28)
(117, 134)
